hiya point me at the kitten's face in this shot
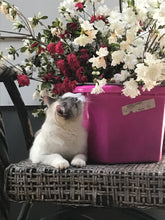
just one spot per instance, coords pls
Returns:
(69, 107)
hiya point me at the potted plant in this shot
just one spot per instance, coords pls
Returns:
(97, 45)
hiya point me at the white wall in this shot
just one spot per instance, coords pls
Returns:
(29, 8)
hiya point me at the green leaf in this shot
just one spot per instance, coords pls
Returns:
(23, 49)
(44, 17)
(45, 85)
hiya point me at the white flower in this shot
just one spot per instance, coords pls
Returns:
(151, 73)
(87, 26)
(55, 31)
(98, 87)
(129, 16)
(101, 26)
(69, 6)
(102, 82)
(131, 88)
(3, 7)
(117, 57)
(103, 51)
(103, 10)
(98, 62)
(136, 50)
(112, 38)
(91, 34)
(83, 40)
(36, 94)
(117, 27)
(120, 77)
(124, 45)
(130, 60)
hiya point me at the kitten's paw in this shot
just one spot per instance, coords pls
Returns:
(78, 162)
(60, 164)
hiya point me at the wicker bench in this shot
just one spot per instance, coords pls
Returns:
(124, 185)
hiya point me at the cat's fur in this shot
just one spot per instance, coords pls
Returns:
(62, 138)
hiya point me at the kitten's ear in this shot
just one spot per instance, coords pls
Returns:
(48, 100)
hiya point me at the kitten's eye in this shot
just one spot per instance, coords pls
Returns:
(76, 99)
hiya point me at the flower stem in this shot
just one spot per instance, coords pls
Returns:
(120, 6)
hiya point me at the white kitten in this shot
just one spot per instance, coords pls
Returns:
(62, 137)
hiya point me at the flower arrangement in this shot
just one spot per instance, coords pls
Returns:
(124, 46)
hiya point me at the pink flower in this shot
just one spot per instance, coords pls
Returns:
(79, 6)
(51, 48)
(23, 80)
(62, 67)
(73, 61)
(59, 48)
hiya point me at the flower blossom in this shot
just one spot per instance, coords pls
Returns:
(23, 80)
(131, 88)
(83, 40)
(150, 73)
(103, 52)
(98, 62)
(79, 6)
(51, 48)
(98, 87)
(59, 48)
(121, 77)
(117, 57)
(73, 61)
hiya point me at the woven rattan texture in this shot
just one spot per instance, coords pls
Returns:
(96, 185)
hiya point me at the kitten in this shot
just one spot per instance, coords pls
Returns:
(62, 137)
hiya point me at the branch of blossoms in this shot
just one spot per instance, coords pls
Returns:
(95, 46)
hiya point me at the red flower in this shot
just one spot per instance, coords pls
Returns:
(57, 89)
(41, 49)
(84, 54)
(35, 44)
(79, 6)
(51, 48)
(48, 76)
(140, 23)
(101, 17)
(80, 76)
(73, 61)
(62, 67)
(68, 85)
(93, 18)
(23, 80)
(59, 48)
(72, 26)
(96, 18)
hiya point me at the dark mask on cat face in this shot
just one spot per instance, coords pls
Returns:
(69, 107)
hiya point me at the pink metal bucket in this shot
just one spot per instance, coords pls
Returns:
(121, 129)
